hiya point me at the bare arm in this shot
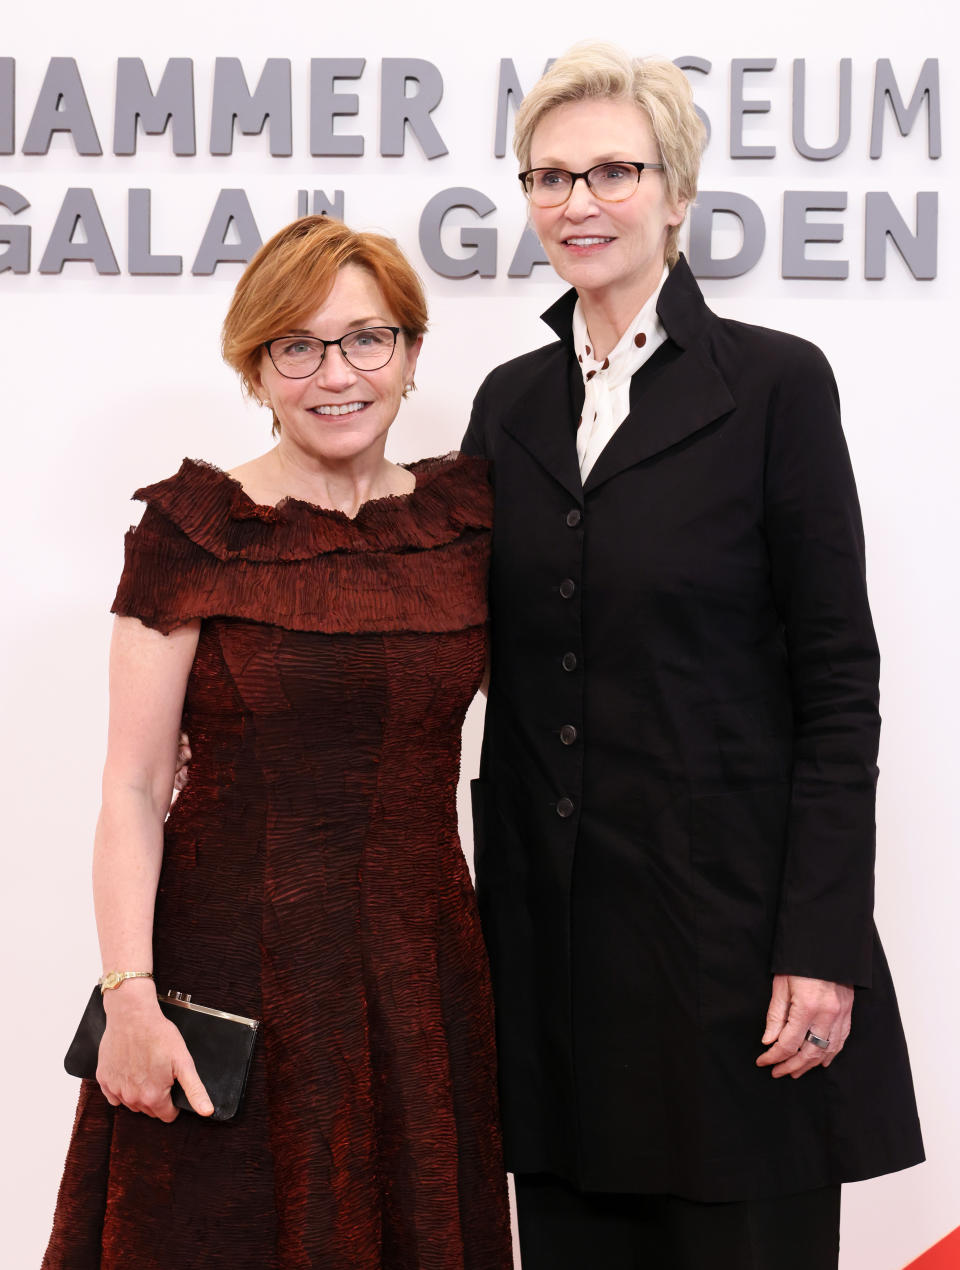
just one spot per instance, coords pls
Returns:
(142, 1053)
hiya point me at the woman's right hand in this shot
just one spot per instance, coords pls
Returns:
(142, 1053)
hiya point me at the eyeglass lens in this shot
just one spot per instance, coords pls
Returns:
(612, 182)
(298, 356)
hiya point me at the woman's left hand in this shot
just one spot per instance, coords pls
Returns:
(800, 1007)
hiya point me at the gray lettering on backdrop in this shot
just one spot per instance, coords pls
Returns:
(326, 104)
(397, 109)
(16, 238)
(798, 231)
(8, 70)
(800, 108)
(140, 258)
(321, 204)
(233, 101)
(173, 101)
(691, 63)
(885, 85)
(739, 107)
(411, 90)
(231, 208)
(484, 241)
(919, 250)
(709, 204)
(529, 253)
(79, 210)
(508, 88)
(62, 107)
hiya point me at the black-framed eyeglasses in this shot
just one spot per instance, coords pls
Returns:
(299, 356)
(611, 182)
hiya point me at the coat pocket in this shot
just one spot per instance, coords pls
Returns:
(738, 845)
(753, 738)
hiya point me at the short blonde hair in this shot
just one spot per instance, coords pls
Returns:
(660, 89)
(291, 276)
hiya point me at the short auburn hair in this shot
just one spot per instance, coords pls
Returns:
(291, 276)
(592, 71)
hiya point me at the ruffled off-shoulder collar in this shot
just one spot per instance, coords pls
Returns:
(452, 495)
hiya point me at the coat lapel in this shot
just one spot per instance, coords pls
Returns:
(543, 419)
(684, 397)
(671, 398)
(683, 392)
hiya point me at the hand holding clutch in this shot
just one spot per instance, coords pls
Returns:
(220, 1044)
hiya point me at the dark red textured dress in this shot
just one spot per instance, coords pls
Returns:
(313, 878)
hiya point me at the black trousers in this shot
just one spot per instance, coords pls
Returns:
(565, 1229)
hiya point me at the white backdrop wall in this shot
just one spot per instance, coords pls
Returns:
(108, 381)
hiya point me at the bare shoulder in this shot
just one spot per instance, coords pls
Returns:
(404, 481)
(251, 469)
(258, 478)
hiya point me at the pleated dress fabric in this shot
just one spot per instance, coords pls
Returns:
(313, 878)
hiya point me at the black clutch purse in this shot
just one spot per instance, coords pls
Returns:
(220, 1044)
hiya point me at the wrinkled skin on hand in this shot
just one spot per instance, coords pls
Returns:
(142, 1053)
(797, 1006)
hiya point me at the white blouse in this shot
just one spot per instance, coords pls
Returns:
(607, 384)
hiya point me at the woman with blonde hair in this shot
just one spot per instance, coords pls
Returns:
(317, 620)
(698, 1036)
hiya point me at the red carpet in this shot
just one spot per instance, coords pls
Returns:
(944, 1255)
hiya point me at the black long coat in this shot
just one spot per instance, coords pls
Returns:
(677, 785)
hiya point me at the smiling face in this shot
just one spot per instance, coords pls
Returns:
(608, 251)
(340, 414)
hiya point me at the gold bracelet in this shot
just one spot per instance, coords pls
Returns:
(114, 978)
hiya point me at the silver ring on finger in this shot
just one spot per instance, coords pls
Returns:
(819, 1041)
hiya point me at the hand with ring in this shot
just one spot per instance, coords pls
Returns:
(808, 1022)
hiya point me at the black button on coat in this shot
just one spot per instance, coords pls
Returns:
(714, 822)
